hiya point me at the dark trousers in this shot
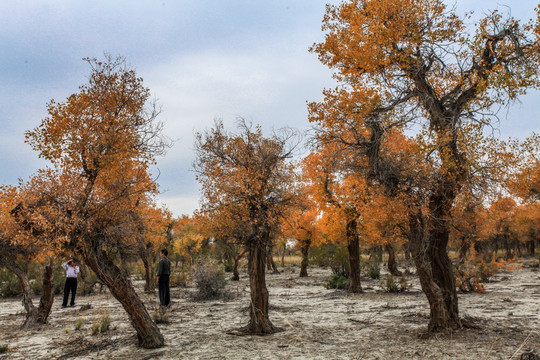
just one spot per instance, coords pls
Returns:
(164, 293)
(71, 285)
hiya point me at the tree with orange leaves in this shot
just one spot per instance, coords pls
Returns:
(17, 245)
(414, 60)
(246, 176)
(100, 143)
(342, 195)
(302, 225)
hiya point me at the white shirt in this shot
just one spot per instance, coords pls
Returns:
(71, 272)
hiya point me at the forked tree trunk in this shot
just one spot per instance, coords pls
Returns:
(259, 322)
(40, 314)
(120, 286)
(305, 257)
(236, 260)
(531, 247)
(392, 264)
(353, 245)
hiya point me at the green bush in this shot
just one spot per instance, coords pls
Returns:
(390, 284)
(338, 281)
(228, 266)
(4, 348)
(209, 279)
(9, 284)
(333, 255)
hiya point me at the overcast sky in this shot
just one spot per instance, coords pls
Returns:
(201, 59)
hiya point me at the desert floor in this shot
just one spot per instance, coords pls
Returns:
(318, 323)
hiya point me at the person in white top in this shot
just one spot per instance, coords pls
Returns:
(72, 270)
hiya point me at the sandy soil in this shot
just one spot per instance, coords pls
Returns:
(318, 324)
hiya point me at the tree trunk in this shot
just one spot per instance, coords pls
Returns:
(271, 263)
(259, 323)
(40, 314)
(149, 284)
(392, 264)
(531, 246)
(353, 245)
(121, 288)
(25, 284)
(283, 255)
(435, 273)
(236, 259)
(463, 250)
(305, 257)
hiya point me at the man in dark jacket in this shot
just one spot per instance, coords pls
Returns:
(163, 273)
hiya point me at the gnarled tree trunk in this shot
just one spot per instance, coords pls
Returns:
(121, 288)
(392, 264)
(40, 314)
(144, 254)
(25, 284)
(353, 245)
(259, 322)
(305, 257)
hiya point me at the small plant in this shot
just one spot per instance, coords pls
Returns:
(209, 278)
(338, 281)
(160, 316)
(390, 284)
(78, 323)
(4, 348)
(101, 324)
(374, 271)
(179, 278)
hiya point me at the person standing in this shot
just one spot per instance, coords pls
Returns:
(163, 273)
(71, 269)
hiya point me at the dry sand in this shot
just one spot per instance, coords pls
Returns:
(318, 324)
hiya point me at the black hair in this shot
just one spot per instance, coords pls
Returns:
(164, 252)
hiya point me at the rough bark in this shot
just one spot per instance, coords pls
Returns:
(305, 257)
(392, 264)
(236, 260)
(120, 286)
(40, 314)
(353, 245)
(149, 284)
(271, 264)
(25, 284)
(259, 322)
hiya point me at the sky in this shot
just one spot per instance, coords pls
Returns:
(202, 60)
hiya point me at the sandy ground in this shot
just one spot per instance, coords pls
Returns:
(318, 324)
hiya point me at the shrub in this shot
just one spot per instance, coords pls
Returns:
(334, 255)
(338, 281)
(4, 348)
(78, 323)
(228, 266)
(9, 284)
(179, 278)
(101, 324)
(390, 284)
(374, 271)
(160, 316)
(209, 278)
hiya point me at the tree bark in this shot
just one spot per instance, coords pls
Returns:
(120, 286)
(236, 259)
(435, 272)
(392, 264)
(353, 245)
(40, 314)
(305, 257)
(25, 284)
(149, 284)
(259, 323)
(271, 263)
